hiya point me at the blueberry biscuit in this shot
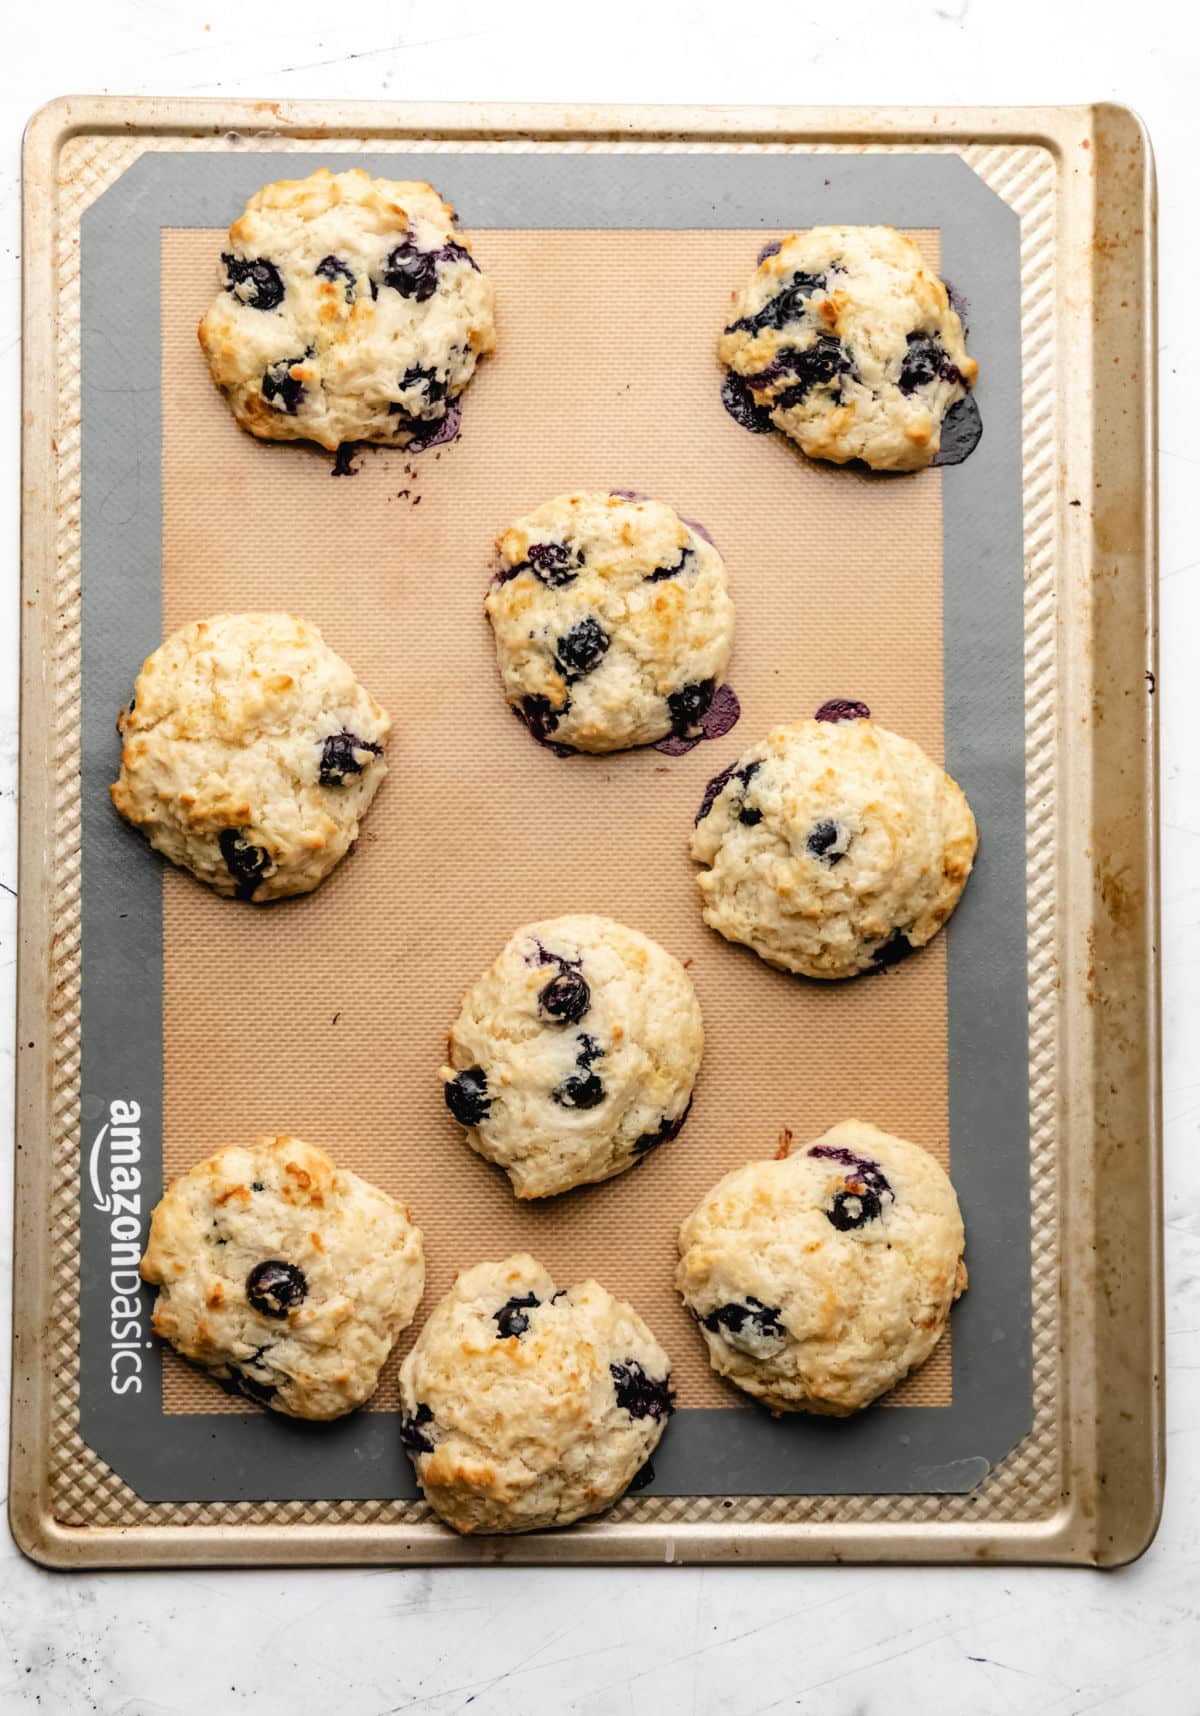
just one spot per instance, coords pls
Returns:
(575, 1055)
(350, 310)
(832, 846)
(612, 620)
(847, 342)
(251, 754)
(821, 1280)
(284, 1275)
(527, 1406)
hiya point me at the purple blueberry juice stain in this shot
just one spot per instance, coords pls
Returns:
(962, 431)
(959, 304)
(723, 713)
(697, 529)
(713, 791)
(772, 249)
(742, 406)
(677, 745)
(432, 432)
(640, 1395)
(342, 460)
(628, 494)
(720, 714)
(541, 719)
(842, 709)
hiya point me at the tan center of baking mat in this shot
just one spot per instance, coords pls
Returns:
(326, 1016)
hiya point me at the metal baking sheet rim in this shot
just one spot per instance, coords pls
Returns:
(1106, 985)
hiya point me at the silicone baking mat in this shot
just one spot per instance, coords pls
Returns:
(326, 1016)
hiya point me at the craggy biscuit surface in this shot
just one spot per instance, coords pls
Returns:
(850, 343)
(833, 846)
(575, 1054)
(251, 754)
(285, 1275)
(350, 310)
(526, 1405)
(821, 1280)
(612, 620)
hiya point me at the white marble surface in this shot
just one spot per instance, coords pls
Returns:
(639, 1643)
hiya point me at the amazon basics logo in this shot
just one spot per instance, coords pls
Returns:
(115, 1178)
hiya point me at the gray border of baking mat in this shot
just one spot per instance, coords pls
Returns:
(262, 1456)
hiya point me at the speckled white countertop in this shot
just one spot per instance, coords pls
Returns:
(619, 1642)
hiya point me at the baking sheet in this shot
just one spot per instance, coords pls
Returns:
(1076, 184)
(326, 1016)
